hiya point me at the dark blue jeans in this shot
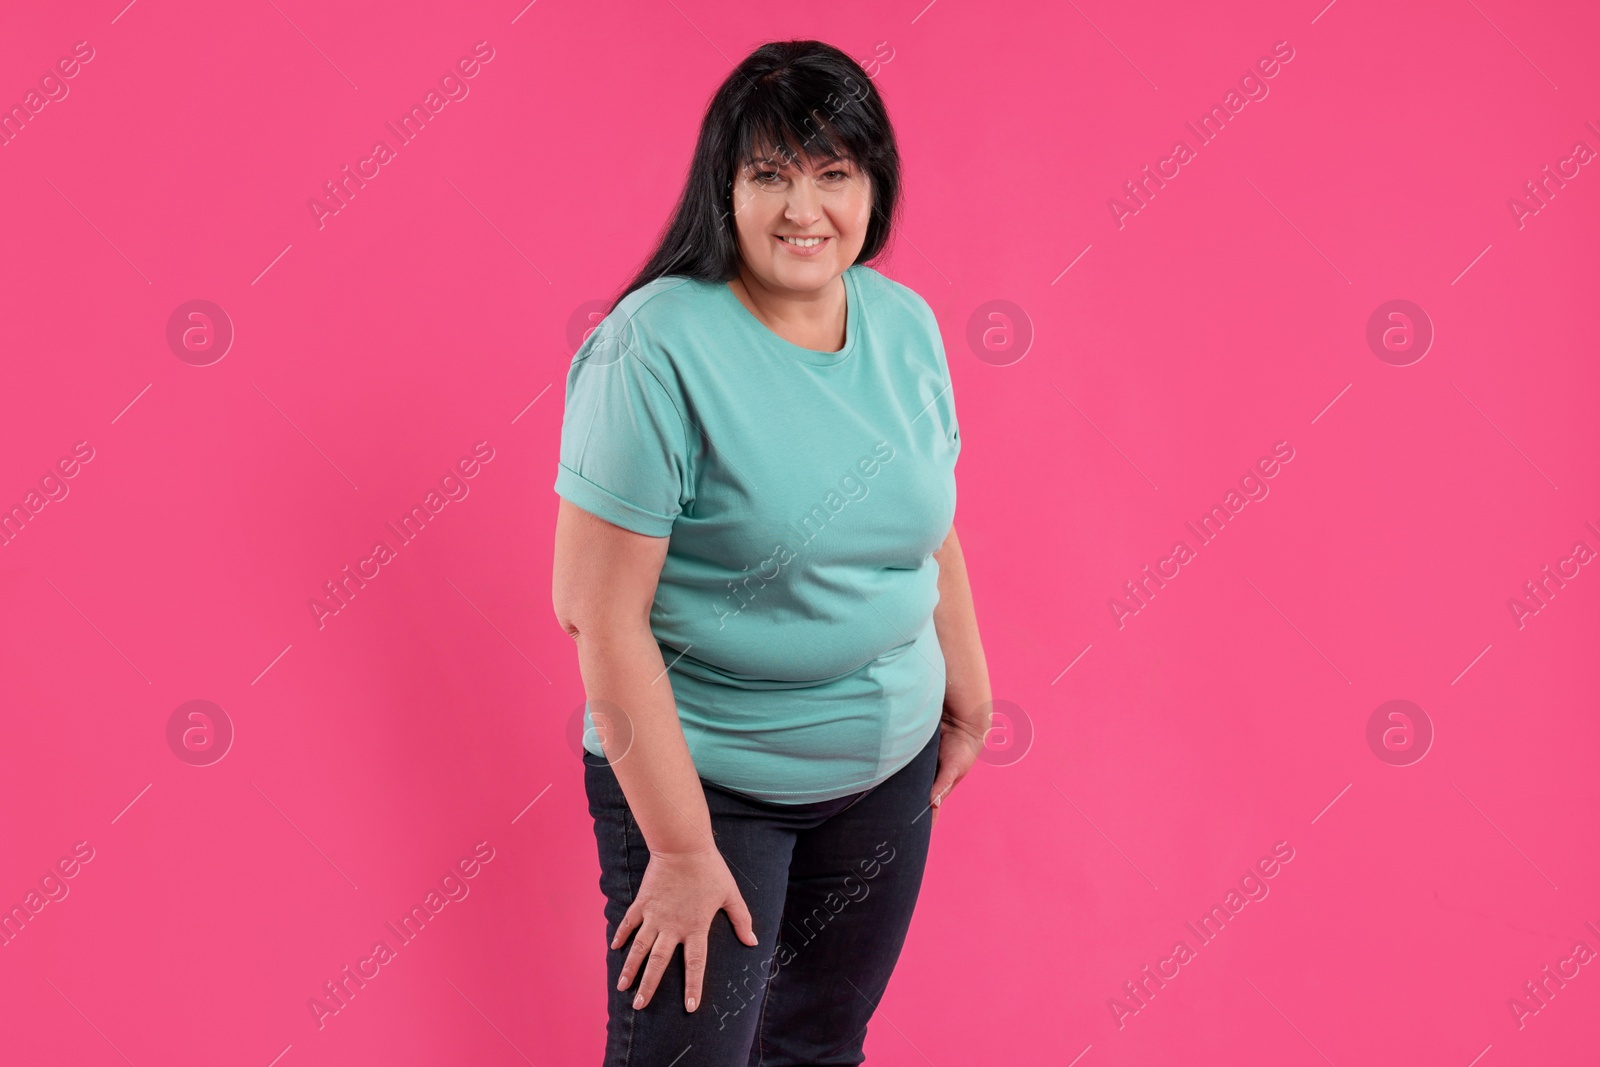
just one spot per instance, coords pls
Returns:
(830, 887)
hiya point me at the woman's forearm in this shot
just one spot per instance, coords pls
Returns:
(955, 619)
(627, 685)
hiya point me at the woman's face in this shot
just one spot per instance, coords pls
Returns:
(830, 199)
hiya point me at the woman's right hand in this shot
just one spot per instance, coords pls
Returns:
(679, 896)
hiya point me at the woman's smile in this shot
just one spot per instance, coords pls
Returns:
(804, 246)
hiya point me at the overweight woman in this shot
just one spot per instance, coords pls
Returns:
(756, 560)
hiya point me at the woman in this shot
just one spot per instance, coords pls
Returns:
(756, 559)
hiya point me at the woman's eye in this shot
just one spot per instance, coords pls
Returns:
(761, 176)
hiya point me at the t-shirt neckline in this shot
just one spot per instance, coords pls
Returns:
(852, 325)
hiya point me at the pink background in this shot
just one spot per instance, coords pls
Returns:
(439, 308)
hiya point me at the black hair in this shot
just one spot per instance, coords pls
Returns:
(795, 100)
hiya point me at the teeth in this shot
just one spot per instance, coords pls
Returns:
(808, 242)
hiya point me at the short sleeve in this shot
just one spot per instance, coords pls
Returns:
(624, 453)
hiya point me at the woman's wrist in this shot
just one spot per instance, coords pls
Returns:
(972, 710)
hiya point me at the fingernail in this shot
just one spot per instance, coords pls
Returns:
(692, 1003)
(638, 1001)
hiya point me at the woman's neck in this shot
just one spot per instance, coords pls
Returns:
(816, 321)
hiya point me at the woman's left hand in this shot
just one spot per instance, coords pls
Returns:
(960, 742)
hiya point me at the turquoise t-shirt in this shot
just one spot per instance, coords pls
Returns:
(804, 494)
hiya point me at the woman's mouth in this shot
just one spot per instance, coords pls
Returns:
(803, 246)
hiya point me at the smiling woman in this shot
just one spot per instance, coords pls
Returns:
(786, 252)
(749, 766)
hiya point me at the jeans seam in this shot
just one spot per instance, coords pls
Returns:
(627, 866)
(761, 1020)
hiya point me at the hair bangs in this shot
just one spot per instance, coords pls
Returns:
(786, 133)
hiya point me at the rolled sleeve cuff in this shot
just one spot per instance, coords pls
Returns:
(607, 505)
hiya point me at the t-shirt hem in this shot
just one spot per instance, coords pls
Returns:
(809, 796)
(600, 501)
(817, 796)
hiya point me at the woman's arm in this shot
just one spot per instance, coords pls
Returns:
(968, 701)
(602, 587)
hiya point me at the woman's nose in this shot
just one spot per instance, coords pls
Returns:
(805, 201)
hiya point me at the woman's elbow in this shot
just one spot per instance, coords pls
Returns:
(600, 615)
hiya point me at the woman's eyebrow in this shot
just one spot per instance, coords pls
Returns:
(783, 162)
